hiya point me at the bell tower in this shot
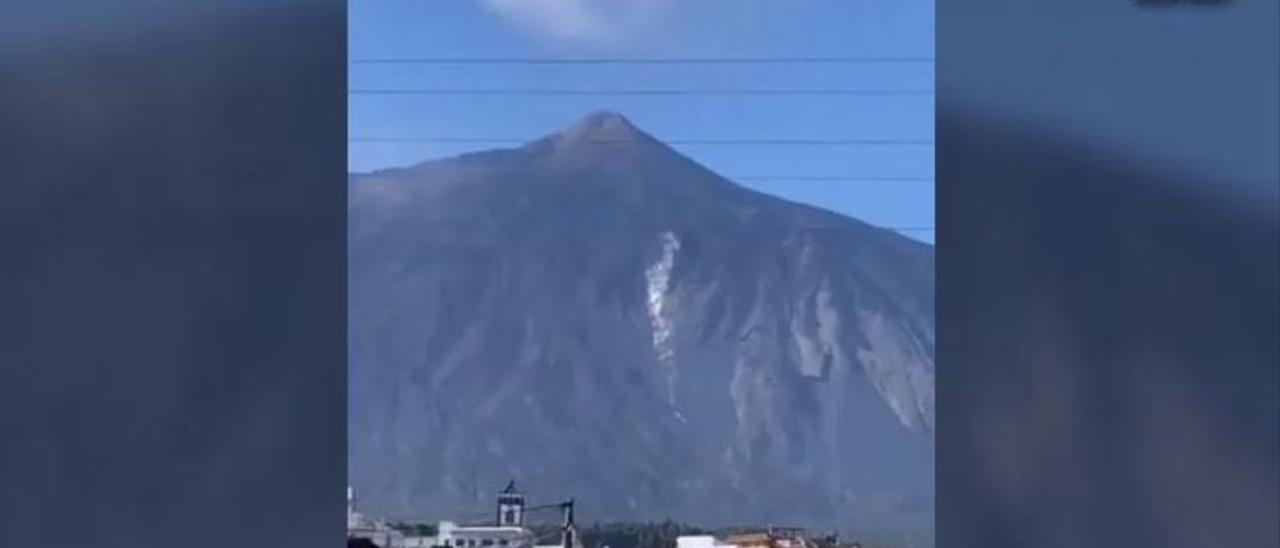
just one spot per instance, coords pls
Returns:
(510, 507)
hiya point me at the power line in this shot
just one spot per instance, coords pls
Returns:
(707, 142)
(899, 228)
(823, 178)
(639, 61)
(891, 228)
(654, 92)
(443, 140)
(834, 179)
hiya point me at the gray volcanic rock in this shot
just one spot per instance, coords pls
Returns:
(597, 316)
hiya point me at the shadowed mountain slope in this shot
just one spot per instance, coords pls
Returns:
(597, 315)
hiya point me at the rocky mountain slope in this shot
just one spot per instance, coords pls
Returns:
(597, 316)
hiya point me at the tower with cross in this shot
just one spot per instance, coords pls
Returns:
(510, 507)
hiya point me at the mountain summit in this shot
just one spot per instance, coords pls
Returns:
(608, 141)
(603, 126)
(614, 322)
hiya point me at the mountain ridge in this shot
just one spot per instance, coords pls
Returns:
(607, 128)
(666, 342)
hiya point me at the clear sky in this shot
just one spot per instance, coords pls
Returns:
(680, 29)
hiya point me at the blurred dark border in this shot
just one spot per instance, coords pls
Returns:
(1108, 312)
(172, 302)
(172, 273)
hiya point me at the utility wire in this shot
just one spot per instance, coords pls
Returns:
(913, 228)
(640, 92)
(708, 142)
(823, 178)
(639, 61)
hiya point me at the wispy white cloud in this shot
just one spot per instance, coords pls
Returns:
(582, 21)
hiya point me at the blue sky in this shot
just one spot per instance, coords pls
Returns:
(667, 29)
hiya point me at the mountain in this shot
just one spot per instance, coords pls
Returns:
(598, 316)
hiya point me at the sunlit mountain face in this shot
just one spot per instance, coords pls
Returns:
(595, 315)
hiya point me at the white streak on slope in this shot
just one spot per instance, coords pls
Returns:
(658, 276)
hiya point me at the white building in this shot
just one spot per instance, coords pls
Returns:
(413, 541)
(361, 526)
(499, 536)
(702, 541)
(506, 531)
(509, 531)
